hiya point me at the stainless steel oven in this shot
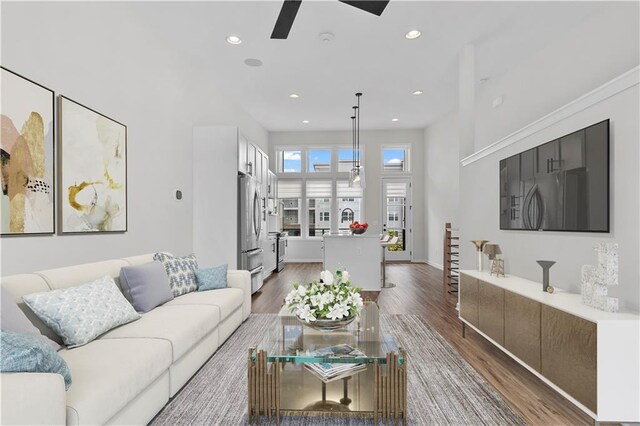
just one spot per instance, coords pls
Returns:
(282, 250)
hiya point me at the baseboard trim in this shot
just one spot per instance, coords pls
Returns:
(303, 261)
(435, 265)
(599, 94)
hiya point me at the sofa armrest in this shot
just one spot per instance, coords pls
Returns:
(32, 399)
(241, 280)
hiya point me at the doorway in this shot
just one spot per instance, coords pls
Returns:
(397, 217)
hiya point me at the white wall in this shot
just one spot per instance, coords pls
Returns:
(442, 168)
(479, 201)
(603, 47)
(99, 55)
(372, 140)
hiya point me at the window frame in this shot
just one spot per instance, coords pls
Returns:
(407, 159)
(333, 175)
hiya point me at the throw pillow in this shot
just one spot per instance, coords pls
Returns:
(26, 353)
(212, 278)
(13, 319)
(145, 286)
(80, 314)
(180, 272)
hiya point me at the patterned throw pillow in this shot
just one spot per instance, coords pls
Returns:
(212, 278)
(80, 314)
(27, 353)
(180, 272)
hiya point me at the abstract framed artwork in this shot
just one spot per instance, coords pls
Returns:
(27, 206)
(93, 160)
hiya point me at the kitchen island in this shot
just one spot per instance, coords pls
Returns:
(361, 255)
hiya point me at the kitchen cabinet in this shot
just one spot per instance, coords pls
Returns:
(258, 165)
(243, 153)
(251, 159)
(272, 184)
(572, 151)
(269, 255)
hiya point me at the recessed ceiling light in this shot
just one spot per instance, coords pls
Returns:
(253, 62)
(413, 34)
(305, 121)
(394, 119)
(232, 39)
(294, 96)
(417, 92)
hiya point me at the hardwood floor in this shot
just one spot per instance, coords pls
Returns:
(420, 291)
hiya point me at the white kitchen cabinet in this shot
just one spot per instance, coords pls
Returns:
(251, 159)
(269, 257)
(243, 153)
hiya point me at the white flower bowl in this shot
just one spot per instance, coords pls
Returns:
(326, 324)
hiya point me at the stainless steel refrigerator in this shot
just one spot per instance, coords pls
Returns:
(250, 209)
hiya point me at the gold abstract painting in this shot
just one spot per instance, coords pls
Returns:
(26, 156)
(93, 151)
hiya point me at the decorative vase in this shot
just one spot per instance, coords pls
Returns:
(546, 265)
(479, 246)
(325, 324)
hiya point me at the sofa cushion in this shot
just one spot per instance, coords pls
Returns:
(226, 299)
(182, 326)
(212, 278)
(13, 319)
(29, 353)
(80, 314)
(180, 272)
(145, 286)
(110, 373)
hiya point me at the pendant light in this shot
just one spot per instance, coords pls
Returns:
(353, 171)
(356, 177)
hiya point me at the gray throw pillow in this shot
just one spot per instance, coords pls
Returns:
(13, 319)
(80, 314)
(212, 278)
(145, 286)
(180, 272)
(26, 353)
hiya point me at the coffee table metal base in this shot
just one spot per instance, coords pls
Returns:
(390, 390)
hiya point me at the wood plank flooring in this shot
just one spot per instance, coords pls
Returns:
(420, 291)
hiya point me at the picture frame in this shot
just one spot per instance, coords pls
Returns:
(93, 164)
(28, 157)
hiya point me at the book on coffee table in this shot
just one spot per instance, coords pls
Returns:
(328, 372)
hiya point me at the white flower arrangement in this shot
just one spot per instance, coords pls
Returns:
(332, 298)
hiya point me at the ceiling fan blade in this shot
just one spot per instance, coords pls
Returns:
(285, 19)
(373, 6)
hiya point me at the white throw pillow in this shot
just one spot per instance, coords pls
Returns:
(80, 314)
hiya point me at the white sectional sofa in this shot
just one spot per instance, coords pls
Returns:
(128, 374)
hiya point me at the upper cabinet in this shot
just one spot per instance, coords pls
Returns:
(251, 159)
(243, 155)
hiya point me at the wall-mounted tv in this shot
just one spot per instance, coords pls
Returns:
(562, 185)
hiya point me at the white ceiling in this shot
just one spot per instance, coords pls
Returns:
(368, 54)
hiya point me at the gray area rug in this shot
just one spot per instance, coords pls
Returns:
(443, 389)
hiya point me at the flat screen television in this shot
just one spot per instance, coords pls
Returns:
(562, 185)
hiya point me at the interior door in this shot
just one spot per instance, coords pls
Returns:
(397, 217)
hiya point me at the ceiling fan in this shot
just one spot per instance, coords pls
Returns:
(290, 10)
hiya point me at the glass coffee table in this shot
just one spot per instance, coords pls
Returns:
(359, 370)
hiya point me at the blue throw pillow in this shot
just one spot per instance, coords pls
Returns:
(211, 278)
(26, 353)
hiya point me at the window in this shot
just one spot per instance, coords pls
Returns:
(290, 192)
(319, 195)
(395, 159)
(290, 161)
(345, 160)
(313, 190)
(347, 215)
(319, 160)
(349, 204)
(393, 216)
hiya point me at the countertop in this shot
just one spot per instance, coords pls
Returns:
(559, 299)
(365, 235)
